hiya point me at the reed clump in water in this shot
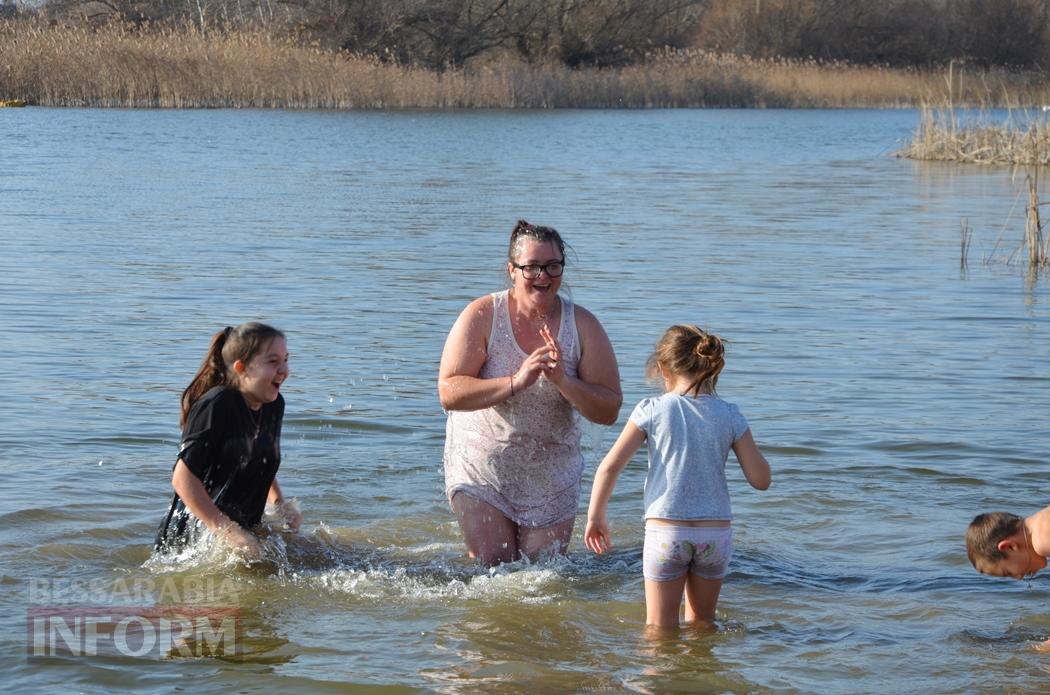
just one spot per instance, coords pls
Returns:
(1038, 248)
(118, 65)
(1034, 246)
(944, 135)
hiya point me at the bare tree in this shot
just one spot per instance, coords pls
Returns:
(907, 32)
(1003, 32)
(616, 32)
(453, 33)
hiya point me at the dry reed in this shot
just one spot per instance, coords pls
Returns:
(120, 66)
(945, 135)
(1038, 250)
(1034, 245)
(965, 241)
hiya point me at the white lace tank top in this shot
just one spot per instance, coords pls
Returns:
(522, 456)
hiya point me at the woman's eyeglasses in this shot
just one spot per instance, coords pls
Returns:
(531, 271)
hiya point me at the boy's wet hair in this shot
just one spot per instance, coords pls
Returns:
(985, 533)
(685, 350)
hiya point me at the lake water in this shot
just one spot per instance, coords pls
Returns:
(894, 393)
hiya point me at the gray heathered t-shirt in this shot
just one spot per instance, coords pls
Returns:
(689, 441)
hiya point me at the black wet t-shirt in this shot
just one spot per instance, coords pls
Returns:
(235, 452)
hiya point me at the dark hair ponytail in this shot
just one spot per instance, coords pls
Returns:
(227, 346)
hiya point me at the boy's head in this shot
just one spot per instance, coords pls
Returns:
(996, 545)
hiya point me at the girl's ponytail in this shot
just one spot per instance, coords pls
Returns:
(212, 373)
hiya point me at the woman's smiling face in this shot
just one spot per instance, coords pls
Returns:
(532, 252)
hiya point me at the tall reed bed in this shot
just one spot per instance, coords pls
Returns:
(116, 65)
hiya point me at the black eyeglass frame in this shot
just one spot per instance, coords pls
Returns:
(537, 269)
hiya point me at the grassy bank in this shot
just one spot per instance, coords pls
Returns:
(118, 66)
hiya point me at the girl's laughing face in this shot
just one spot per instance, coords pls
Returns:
(261, 378)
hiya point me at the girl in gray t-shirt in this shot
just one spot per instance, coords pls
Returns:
(689, 431)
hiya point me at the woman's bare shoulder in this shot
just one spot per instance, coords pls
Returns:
(587, 324)
(479, 311)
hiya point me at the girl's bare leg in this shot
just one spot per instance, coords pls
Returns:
(701, 597)
(663, 601)
(491, 538)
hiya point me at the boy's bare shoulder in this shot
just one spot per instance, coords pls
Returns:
(1039, 524)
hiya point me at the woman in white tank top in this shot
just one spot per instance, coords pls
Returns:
(517, 369)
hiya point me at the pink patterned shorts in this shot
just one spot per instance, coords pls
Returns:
(672, 551)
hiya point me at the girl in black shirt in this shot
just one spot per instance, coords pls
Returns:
(227, 465)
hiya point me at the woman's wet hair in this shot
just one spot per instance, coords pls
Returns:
(685, 350)
(985, 533)
(533, 231)
(227, 346)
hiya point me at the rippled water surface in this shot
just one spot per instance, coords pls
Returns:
(894, 393)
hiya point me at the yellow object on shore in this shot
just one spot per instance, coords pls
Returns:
(12, 102)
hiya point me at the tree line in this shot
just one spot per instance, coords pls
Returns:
(440, 34)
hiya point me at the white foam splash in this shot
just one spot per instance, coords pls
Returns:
(536, 585)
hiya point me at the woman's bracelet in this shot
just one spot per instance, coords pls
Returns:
(512, 385)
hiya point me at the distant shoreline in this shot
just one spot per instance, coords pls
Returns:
(114, 66)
